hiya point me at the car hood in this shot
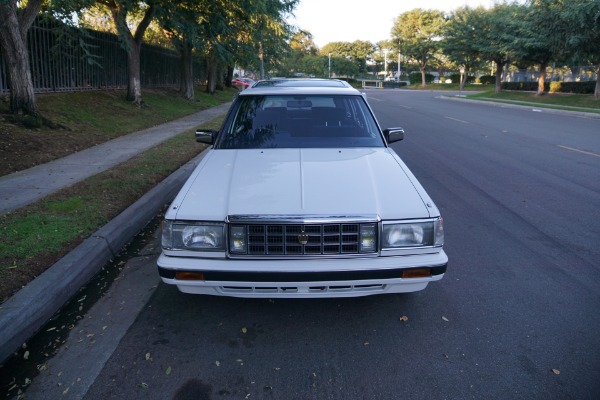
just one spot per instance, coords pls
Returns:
(316, 182)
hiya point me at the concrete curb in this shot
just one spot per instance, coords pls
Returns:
(30, 308)
(539, 108)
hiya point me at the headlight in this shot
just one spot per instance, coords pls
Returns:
(417, 234)
(193, 236)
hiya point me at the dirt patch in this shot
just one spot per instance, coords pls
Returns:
(22, 148)
(16, 278)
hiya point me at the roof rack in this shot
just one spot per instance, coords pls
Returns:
(302, 82)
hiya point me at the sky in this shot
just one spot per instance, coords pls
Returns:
(347, 21)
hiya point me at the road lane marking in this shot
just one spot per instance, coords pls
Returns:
(407, 107)
(578, 151)
(374, 98)
(458, 120)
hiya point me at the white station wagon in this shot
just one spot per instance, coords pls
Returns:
(301, 196)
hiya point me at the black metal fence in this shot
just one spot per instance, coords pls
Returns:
(67, 59)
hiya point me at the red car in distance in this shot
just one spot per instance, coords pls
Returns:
(243, 82)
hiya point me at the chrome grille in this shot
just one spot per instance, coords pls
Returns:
(301, 239)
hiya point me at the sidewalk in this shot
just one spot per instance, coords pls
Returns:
(30, 308)
(24, 187)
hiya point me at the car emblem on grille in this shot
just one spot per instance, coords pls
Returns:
(303, 237)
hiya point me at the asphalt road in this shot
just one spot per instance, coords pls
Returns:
(516, 316)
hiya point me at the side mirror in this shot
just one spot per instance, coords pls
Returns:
(393, 134)
(207, 136)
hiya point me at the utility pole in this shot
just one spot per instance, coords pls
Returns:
(329, 65)
(385, 51)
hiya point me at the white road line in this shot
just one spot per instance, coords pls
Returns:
(458, 120)
(374, 98)
(407, 107)
(579, 151)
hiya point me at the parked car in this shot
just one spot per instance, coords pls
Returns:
(243, 82)
(301, 195)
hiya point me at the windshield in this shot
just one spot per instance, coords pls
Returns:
(323, 121)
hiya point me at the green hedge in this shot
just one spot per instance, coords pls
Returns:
(553, 87)
(486, 80)
(525, 86)
(573, 87)
(415, 78)
(393, 85)
(456, 78)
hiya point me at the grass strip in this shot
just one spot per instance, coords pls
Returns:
(35, 237)
(446, 86)
(90, 118)
(107, 114)
(562, 101)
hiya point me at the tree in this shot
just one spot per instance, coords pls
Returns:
(358, 51)
(121, 10)
(255, 34)
(539, 36)
(15, 21)
(183, 23)
(361, 51)
(495, 37)
(341, 66)
(302, 42)
(302, 53)
(313, 65)
(583, 19)
(459, 32)
(383, 56)
(336, 49)
(417, 35)
(271, 30)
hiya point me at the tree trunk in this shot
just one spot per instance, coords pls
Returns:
(220, 77)
(541, 80)
(13, 41)
(229, 76)
(463, 78)
(597, 90)
(134, 45)
(423, 80)
(262, 61)
(211, 70)
(134, 83)
(499, 68)
(186, 87)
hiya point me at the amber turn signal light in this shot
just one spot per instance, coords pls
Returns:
(416, 273)
(189, 276)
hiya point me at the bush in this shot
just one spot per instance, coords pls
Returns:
(553, 87)
(393, 85)
(526, 86)
(415, 78)
(456, 78)
(486, 80)
(573, 87)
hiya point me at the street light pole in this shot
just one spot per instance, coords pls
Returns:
(385, 51)
(329, 65)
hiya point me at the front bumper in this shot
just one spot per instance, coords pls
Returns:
(301, 278)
